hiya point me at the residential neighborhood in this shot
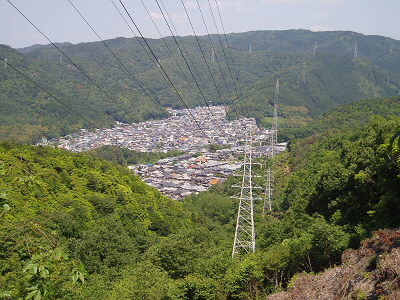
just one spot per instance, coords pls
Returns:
(180, 176)
(186, 130)
(190, 131)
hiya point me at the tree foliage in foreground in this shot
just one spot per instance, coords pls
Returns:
(123, 156)
(77, 227)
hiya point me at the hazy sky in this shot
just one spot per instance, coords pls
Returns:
(60, 22)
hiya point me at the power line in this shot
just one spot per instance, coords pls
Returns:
(229, 48)
(212, 45)
(161, 67)
(187, 79)
(188, 66)
(186, 51)
(154, 61)
(97, 86)
(213, 48)
(120, 62)
(223, 50)
(66, 56)
(222, 47)
(205, 60)
(166, 44)
(182, 44)
(233, 63)
(50, 94)
(208, 66)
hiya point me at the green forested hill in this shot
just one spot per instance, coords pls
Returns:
(29, 112)
(76, 227)
(135, 90)
(381, 51)
(319, 84)
(345, 117)
(66, 214)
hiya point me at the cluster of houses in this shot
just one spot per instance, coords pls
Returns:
(190, 131)
(183, 175)
(187, 131)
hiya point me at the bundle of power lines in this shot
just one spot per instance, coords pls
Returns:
(195, 79)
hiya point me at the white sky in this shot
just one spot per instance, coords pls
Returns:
(61, 23)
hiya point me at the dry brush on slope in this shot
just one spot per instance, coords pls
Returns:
(370, 272)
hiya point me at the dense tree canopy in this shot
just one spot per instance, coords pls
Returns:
(74, 226)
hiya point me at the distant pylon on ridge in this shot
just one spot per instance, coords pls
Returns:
(315, 48)
(355, 51)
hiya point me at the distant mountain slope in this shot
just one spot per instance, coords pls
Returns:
(37, 46)
(28, 112)
(136, 90)
(319, 84)
(381, 51)
(347, 116)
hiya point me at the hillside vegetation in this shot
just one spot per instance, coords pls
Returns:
(136, 90)
(345, 117)
(77, 227)
(370, 272)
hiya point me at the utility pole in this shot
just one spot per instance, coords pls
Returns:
(245, 239)
(250, 48)
(213, 56)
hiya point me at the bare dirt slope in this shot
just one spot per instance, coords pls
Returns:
(370, 272)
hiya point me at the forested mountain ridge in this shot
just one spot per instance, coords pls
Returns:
(381, 51)
(316, 83)
(29, 111)
(319, 84)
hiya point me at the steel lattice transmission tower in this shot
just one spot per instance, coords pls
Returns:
(245, 240)
(315, 48)
(269, 191)
(273, 140)
(355, 51)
